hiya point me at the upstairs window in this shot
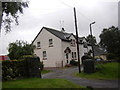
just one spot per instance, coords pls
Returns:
(50, 42)
(85, 45)
(72, 42)
(38, 45)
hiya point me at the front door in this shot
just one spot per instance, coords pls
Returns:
(67, 55)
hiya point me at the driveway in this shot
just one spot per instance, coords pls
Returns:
(68, 74)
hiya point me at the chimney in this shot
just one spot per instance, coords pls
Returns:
(63, 30)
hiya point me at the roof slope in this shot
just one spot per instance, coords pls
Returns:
(63, 36)
(99, 51)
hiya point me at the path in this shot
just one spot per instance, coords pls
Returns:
(67, 74)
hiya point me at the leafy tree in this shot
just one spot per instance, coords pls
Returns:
(91, 40)
(110, 39)
(11, 12)
(20, 48)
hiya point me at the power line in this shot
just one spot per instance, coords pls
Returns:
(88, 19)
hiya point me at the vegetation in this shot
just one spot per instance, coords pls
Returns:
(11, 12)
(20, 48)
(104, 71)
(45, 71)
(91, 39)
(16, 69)
(110, 39)
(39, 83)
(73, 62)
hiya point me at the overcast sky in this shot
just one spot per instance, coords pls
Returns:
(59, 13)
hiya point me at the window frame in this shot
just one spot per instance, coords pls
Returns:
(72, 43)
(74, 55)
(38, 45)
(44, 55)
(50, 42)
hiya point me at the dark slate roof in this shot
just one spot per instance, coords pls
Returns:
(99, 51)
(62, 35)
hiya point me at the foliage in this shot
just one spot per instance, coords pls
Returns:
(91, 39)
(45, 71)
(73, 62)
(111, 56)
(110, 39)
(11, 11)
(40, 83)
(13, 69)
(20, 48)
(86, 57)
(107, 71)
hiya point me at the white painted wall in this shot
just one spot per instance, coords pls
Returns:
(54, 55)
(73, 49)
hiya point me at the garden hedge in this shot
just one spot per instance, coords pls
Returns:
(14, 69)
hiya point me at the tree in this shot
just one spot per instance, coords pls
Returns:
(20, 48)
(91, 40)
(110, 39)
(10, 13)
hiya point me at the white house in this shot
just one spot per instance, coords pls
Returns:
(57, 48)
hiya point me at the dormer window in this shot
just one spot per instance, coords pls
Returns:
(81, 41)
(38, 45)
(72, 42)
(50, 42)
(85, 45)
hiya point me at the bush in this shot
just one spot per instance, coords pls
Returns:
(111, 56)
(86, 57)
(28, 67)
(73, 62)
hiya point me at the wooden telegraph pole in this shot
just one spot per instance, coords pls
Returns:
(77, 41)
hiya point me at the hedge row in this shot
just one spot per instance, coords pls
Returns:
(14, 69)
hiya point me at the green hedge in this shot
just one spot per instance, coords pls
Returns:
(14, 69)
(73, 62)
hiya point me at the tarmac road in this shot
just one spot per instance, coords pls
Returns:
(68, 75)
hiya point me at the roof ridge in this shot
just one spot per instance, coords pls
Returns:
(57, 30)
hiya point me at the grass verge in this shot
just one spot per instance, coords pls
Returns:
(108, 71)
(39, 83)
(45, 71)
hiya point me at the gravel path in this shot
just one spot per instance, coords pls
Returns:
(67, 74)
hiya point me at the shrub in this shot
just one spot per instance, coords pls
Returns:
(73, 62)
(111, 56)
(28, 67)
(86, 57)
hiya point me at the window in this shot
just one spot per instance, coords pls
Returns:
(38, 45)
(73, 55)
(85, 45)
(50, 42)
(72, 42)
(44, 55)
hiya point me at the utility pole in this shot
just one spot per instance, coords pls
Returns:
(77, 41)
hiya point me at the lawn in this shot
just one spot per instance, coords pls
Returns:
(107, 71)
(39, 83)
(45, 71)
